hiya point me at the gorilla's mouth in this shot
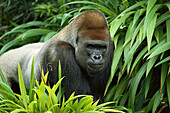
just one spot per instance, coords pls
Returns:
(95, 66)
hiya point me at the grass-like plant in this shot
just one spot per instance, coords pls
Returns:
(41, 98)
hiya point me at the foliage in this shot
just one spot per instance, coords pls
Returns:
(139, 77)
(141, 58)
(42, 98)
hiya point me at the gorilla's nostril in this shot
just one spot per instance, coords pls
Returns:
(96, 57)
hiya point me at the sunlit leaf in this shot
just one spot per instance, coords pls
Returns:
(160, 50)
(150, 5)
(150, 30)
(115, 24)
(22, 87)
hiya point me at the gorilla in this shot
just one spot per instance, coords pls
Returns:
(84, 48)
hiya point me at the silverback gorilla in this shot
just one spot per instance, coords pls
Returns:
(84, 48)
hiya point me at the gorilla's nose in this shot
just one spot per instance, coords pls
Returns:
(97, 58)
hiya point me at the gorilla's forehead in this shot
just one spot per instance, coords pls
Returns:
(94, 34)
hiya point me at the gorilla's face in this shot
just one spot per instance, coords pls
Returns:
(92, 55)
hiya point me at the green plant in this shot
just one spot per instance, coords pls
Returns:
(141, 58)
(42, 98)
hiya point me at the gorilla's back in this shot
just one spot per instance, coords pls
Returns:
(9, 60)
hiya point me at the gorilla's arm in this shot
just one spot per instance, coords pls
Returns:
(74, 79)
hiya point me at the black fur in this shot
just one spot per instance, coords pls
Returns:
(76, 79)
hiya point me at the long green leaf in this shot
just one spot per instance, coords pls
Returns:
(131, 8)
(11, 32)
(138, 13)
(155, 47)
(121, 87)
(130, 54)
(147, 83)
(168, 29)
(105, 9)
(30, 24)
(34, 32)
(8, 45)
(59, 77)
(160, 50)
(139, 57)
(163, 61)
(150, 5)
(115, 24)
(151, 64)
(140, 25)
(32, 82)
(22, 87)
(157, 100)
(168, 88)
(150, 30)
(162, 18)
(3, 77)
(116, 58)
(136, 81)
(164, 73)
(149, 17)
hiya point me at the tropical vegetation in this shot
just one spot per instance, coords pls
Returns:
(140, 30)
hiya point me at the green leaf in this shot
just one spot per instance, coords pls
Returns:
(121, 87)
(32, 82)
(22, 87)
(30, 24)
(150, 30)
(8, 45)
(168, 29)
(131, 8)
(163, 61)
(138, 13)
(102, 7)
(3, 77)
(147, 83)
(150, 5)
(151, 64)
(139, 57)
(34, 32)
(49, 35)
(164, 73)
(161, 49)
(157, 100)
(59, 77)
(168, 5)
(155, 47)
(149, 17)
(140, 25)
(136, 81)
(115, 24)
(115, 39)
(12, 31)
(162, 18)
(41, 99)
(84, 102)
(168, 88)
(130, 54)
(52, 96)
(116, 58)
